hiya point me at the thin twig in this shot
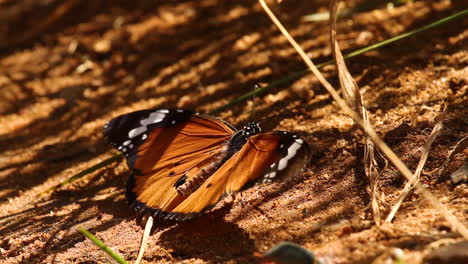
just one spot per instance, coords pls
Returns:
(454, 222)
(415, 178)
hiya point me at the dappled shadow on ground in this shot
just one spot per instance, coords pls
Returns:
(235, 243)
(106, 58)
(56, 219)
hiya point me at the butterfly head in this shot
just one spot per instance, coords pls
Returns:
(251, 129)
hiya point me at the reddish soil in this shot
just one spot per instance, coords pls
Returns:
(67, 67)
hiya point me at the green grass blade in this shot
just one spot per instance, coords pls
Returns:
(83, 173)
(408, 34)
(296, 75)
(103, 246)
(259, 91)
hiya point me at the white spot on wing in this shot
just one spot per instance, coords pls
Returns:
(272, 174)
(144, 137)
(154, 118)
(136, 131)
(127, 142)
(282, 164)
(292, 150)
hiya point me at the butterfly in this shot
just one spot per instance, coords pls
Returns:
(183, 162)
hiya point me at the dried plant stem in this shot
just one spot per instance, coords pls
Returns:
(144, 239)
(372, 172)
(454, 222)
(415, 178)
(353, 98)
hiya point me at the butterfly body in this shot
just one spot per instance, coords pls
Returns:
(183, 163)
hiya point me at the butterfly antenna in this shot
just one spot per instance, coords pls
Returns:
(256, 86)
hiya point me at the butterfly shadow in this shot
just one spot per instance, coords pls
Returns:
(209, 237)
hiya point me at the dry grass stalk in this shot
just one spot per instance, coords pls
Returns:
(454, 222)
(461, 145)
(353, 98)
(144, 239)
(415, 179)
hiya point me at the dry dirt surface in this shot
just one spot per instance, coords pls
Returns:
(67, 67)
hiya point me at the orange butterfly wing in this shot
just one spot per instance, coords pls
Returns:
(263, 154)
(167, 154)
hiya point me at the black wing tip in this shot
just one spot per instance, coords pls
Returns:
(106, 131)
(290, 137)
(121, 122)
(295, 156)
(117, 131)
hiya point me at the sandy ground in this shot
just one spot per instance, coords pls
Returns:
(68, 67)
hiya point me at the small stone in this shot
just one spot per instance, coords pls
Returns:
(456, 253)
(287, 252)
